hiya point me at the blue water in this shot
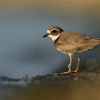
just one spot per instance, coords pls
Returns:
(24, 51)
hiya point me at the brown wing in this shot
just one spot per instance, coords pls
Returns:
(74, 38)
(74, 42)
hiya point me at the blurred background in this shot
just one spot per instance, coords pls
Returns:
(24, 22)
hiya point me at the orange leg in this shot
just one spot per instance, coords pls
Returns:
(69, 66)
(78, 63)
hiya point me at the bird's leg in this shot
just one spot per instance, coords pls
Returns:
(78, 63)
(69, 66)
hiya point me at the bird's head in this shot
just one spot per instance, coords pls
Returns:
(53, 32)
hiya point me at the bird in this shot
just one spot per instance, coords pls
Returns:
(71, 43)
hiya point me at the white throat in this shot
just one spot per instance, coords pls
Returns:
(53, 37)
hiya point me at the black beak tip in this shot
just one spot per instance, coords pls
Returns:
(45, 36)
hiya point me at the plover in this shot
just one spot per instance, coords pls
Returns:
(70, 43)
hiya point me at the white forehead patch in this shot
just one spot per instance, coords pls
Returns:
(48, 31)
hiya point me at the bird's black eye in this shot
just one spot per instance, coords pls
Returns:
(54, 31)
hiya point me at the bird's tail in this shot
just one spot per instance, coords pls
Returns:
(97, 40)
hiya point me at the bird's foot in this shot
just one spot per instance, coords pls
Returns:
(76, 71)
(63, 73)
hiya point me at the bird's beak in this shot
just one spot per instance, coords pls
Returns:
(46, 35)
